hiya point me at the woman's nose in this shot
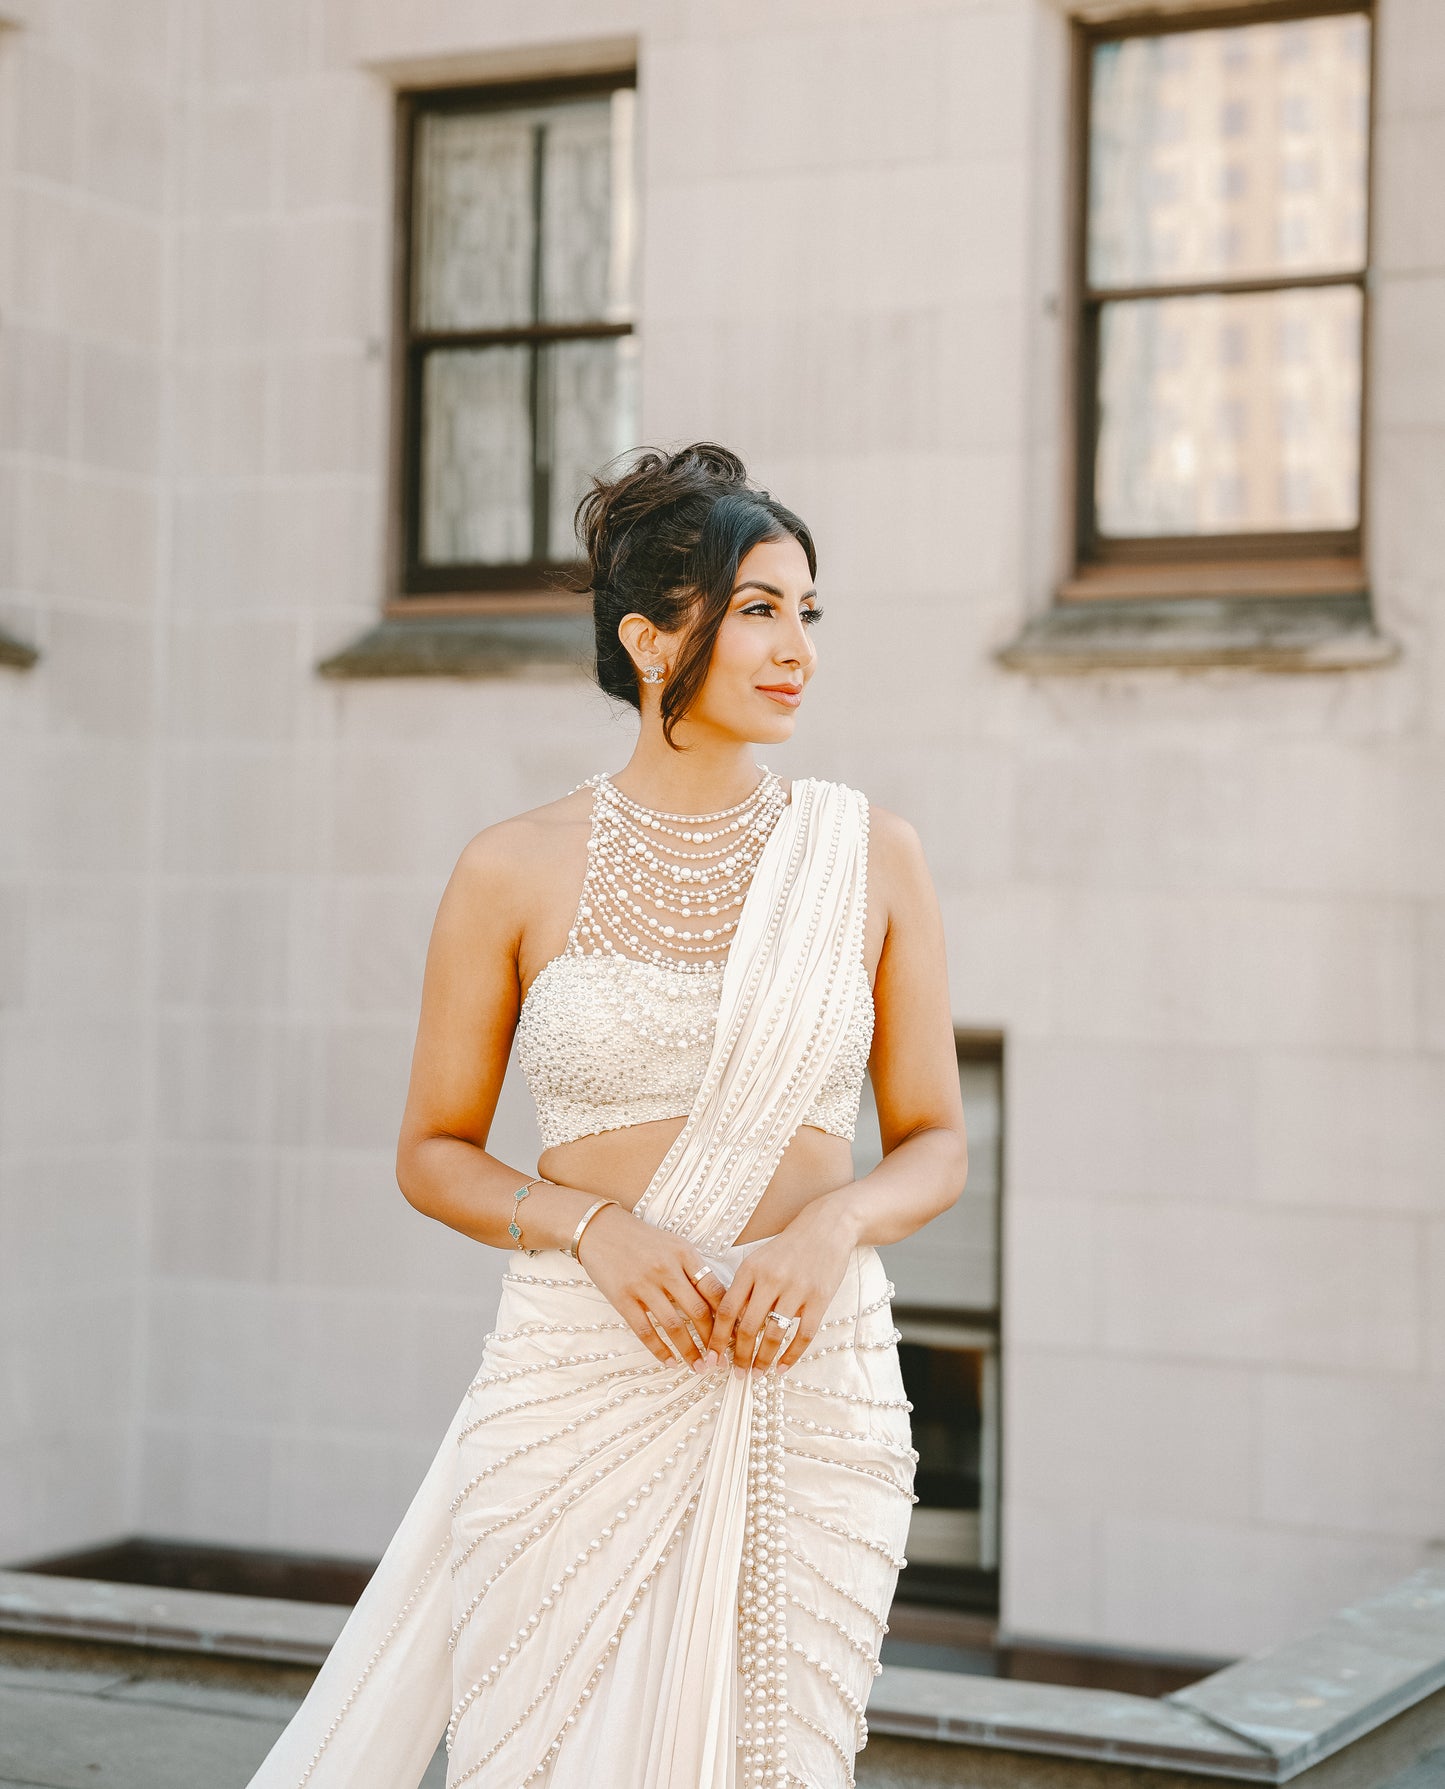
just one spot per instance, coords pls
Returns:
(799, 649)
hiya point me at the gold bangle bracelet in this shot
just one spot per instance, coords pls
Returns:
(587, 1217)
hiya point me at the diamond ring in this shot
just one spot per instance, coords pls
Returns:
(787, 1323)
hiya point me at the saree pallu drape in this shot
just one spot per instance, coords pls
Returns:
(618, 1570)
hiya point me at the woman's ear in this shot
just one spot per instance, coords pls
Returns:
(644, 642)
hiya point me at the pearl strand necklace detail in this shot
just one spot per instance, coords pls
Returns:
(645, 888)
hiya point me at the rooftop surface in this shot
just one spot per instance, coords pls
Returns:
(122, 1686)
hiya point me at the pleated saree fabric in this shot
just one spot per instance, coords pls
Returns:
(618, 1571)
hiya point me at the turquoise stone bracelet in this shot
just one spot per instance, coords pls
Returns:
(514, 1229)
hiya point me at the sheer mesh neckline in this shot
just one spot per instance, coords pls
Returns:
(606, 1041)
(669, 888)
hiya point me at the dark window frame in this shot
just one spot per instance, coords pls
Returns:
(1286, 562)
(536, 582)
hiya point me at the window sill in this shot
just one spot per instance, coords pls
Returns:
(1323, 632)
(1332, 574)
(472, 642)
(16, 652)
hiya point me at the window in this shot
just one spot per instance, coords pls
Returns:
(946, 1304)
(1222, 284)
(517, 318)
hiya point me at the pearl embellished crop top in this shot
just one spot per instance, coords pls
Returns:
(606, 1040)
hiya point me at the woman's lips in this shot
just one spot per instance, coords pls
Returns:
(789, 694)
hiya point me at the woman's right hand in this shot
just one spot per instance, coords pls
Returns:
(642, 1271)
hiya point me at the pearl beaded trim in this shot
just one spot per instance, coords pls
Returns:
(553, 1515)
(643, 881)
(633, 1503)
(839, 1590)
(619, 1029)
(605, 1042)
(646, 1373)
(737, 1161)
(851, 1397)
(648, 1419)
(892, 1447)
(883, 1478)
(613, 1641)
(867, 1650)
(371, 1664)
(834, 1678)
(762, 1595)
(896, 1560)
(823, 1734)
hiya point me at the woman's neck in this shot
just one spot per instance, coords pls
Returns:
(706, 777)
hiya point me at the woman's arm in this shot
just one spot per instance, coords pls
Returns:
(914, 1070)
(913, 1064)
(469, 1007)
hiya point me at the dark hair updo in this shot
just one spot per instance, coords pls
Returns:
(664, 540)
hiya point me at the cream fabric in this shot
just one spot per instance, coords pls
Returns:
(685, 1575)
(592, 1041)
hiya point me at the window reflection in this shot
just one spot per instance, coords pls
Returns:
(1165, 110)
(1232, 412)
(1224, 303)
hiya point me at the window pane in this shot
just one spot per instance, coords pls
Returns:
(1229, 414)
(590, 413)
(474, 220)
(476, 238)
(953, 1387)
(1236, 152)
(582, 211)
(476, 467)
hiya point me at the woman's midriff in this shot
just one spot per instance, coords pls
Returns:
(621, 1164)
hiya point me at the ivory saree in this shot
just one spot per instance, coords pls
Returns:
(621, 1572)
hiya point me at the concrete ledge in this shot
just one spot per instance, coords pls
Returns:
(468, 645)
(240, 1627)
(1013, 1715)
(1295, 633)
(12, 651)
(1264, 1719)
(1311, 1696)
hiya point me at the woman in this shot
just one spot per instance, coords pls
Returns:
(659, 1542)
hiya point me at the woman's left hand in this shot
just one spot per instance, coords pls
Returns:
(796, 1274)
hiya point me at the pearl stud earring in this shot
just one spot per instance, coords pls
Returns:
(652, 673)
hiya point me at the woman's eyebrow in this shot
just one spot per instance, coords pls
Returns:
(772, 589)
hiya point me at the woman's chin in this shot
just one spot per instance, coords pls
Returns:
(773, 729)
(751, 724)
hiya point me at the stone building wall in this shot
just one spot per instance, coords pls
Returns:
(1206, 910)
(85, 171)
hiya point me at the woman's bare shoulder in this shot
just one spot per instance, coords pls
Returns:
(893, 842)
(898, 869)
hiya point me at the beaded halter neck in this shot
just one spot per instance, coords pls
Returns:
(617, 1028)
(667, 888)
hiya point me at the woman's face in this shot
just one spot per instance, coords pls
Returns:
(764, 654)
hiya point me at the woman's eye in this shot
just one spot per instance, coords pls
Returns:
(762, 608)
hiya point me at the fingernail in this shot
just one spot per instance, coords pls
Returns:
(709, 1360)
